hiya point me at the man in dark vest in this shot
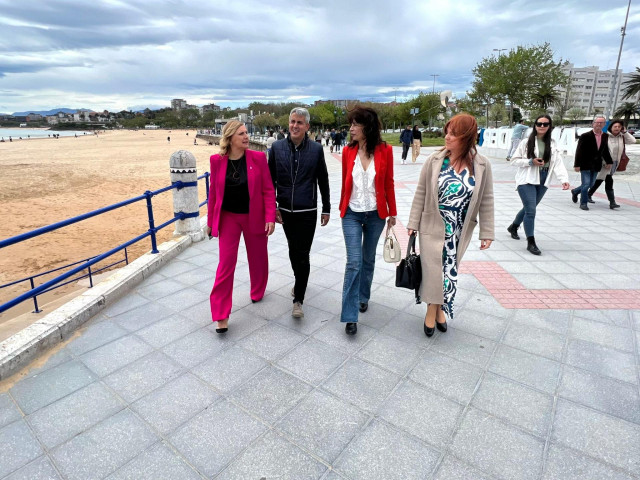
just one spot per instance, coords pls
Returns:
(298, 169)
(591, 151)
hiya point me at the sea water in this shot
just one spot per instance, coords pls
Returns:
(26, 133)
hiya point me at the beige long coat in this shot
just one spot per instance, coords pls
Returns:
(425, 218)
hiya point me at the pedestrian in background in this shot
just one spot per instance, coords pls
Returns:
(538, 161)
(406, 138)
(417, 143)
(516, 136)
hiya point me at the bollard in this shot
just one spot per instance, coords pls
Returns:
(182, 166)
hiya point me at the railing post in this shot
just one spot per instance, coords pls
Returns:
(182, 166)
(90, 278)
(152, 225)
(35, 297)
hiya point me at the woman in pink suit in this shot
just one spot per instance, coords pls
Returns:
(241, 201)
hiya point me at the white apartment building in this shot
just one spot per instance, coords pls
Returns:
(590, 89)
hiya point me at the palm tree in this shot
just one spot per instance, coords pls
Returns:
(626, 111)
(632, 86)
(544, 97)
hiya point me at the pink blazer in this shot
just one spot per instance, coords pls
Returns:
(262, 196)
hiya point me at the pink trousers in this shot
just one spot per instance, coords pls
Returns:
(230, 227)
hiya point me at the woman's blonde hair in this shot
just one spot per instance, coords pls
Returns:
(228, 131)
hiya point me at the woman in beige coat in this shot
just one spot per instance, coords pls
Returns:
(455, 190)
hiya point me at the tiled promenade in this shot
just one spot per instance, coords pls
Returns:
(537, 377)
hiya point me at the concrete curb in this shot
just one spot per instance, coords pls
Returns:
(23, 347)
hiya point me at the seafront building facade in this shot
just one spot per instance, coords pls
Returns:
(590, 90)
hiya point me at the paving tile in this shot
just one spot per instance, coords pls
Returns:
(197, 275)
(322, 424)
(533, 370)
(229, 368)
(143, 376)
(213, 438)
(241, 324)
(274, 457)
(534, 340)
(421, 413)
(162, 288)
(514, 403)
(156, 463)
(333, 334)
(393, 297)
(486, 304)
(497, 448)
(184, 298)
(112, 356)
(328, 300)
(369, 455)
(314, 318)
(142, 316)
(165, 331)
(35, 392)
(390, 353)
(607, 335)
(176, 267)
(465, 346)
(453, 469)
(554, 320)
(271, 393)
(18, 447)
(480, 324)
(271, 341)
(619, 318)
(602, 360)
(8, 410)
(312, 361)
(447, 376)
(408, 328)
(602, 393)
(39, 469)
(125, 304)
(97, 452)
(73, 414)
(94, 336)
(606, 438)
(377, 315)
(195, 348)
(565, 464)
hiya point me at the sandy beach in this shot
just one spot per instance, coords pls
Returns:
(47, 180)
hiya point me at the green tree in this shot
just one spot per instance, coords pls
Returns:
(632, 86)
(322, 115)
(517, 75)
(189, 117)
(626, 111)
(264, 120)
(576, 113)
(283, 121)
(498, 114)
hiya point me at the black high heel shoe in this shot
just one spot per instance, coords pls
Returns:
(222, 330)
(429, 331)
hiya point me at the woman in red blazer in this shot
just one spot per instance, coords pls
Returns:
(242, 200)
(366, 200)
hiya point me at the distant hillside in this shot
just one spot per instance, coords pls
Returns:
(51, 112)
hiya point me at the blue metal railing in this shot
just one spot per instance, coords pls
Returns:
(51, 284)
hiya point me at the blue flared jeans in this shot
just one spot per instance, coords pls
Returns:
(530, 196)
(361, 232)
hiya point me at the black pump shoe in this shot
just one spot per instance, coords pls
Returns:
(532, 247)
(613, 205)
(513, 230)
(363, 307)
(351, 328)
(442, 326)
(429, 331)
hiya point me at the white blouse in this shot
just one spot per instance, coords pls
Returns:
(363, 195)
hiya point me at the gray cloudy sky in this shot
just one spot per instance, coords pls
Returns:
(115, 54)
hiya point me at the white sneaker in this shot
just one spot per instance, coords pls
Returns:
(297, 310)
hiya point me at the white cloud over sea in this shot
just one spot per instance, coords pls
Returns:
(114, 54)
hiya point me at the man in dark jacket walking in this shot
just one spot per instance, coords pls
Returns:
(591, 151)
(406, 138)
(298, 169)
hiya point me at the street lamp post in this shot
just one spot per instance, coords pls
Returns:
(611, 104)
(433, 90)
(499, 50)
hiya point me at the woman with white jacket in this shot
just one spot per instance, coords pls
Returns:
(538, 161)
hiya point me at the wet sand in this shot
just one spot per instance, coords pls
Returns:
(44, 181)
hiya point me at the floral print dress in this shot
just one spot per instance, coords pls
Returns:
(454, 196)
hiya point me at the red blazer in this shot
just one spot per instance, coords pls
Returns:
(385, 192)
(262, 196)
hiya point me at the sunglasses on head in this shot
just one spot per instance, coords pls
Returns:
(542, 124)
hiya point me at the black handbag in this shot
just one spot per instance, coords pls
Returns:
(409, 271)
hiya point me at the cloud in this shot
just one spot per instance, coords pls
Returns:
(120, 53)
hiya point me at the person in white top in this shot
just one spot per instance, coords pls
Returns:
(618, 137)
(538, 161)
(367, 199)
